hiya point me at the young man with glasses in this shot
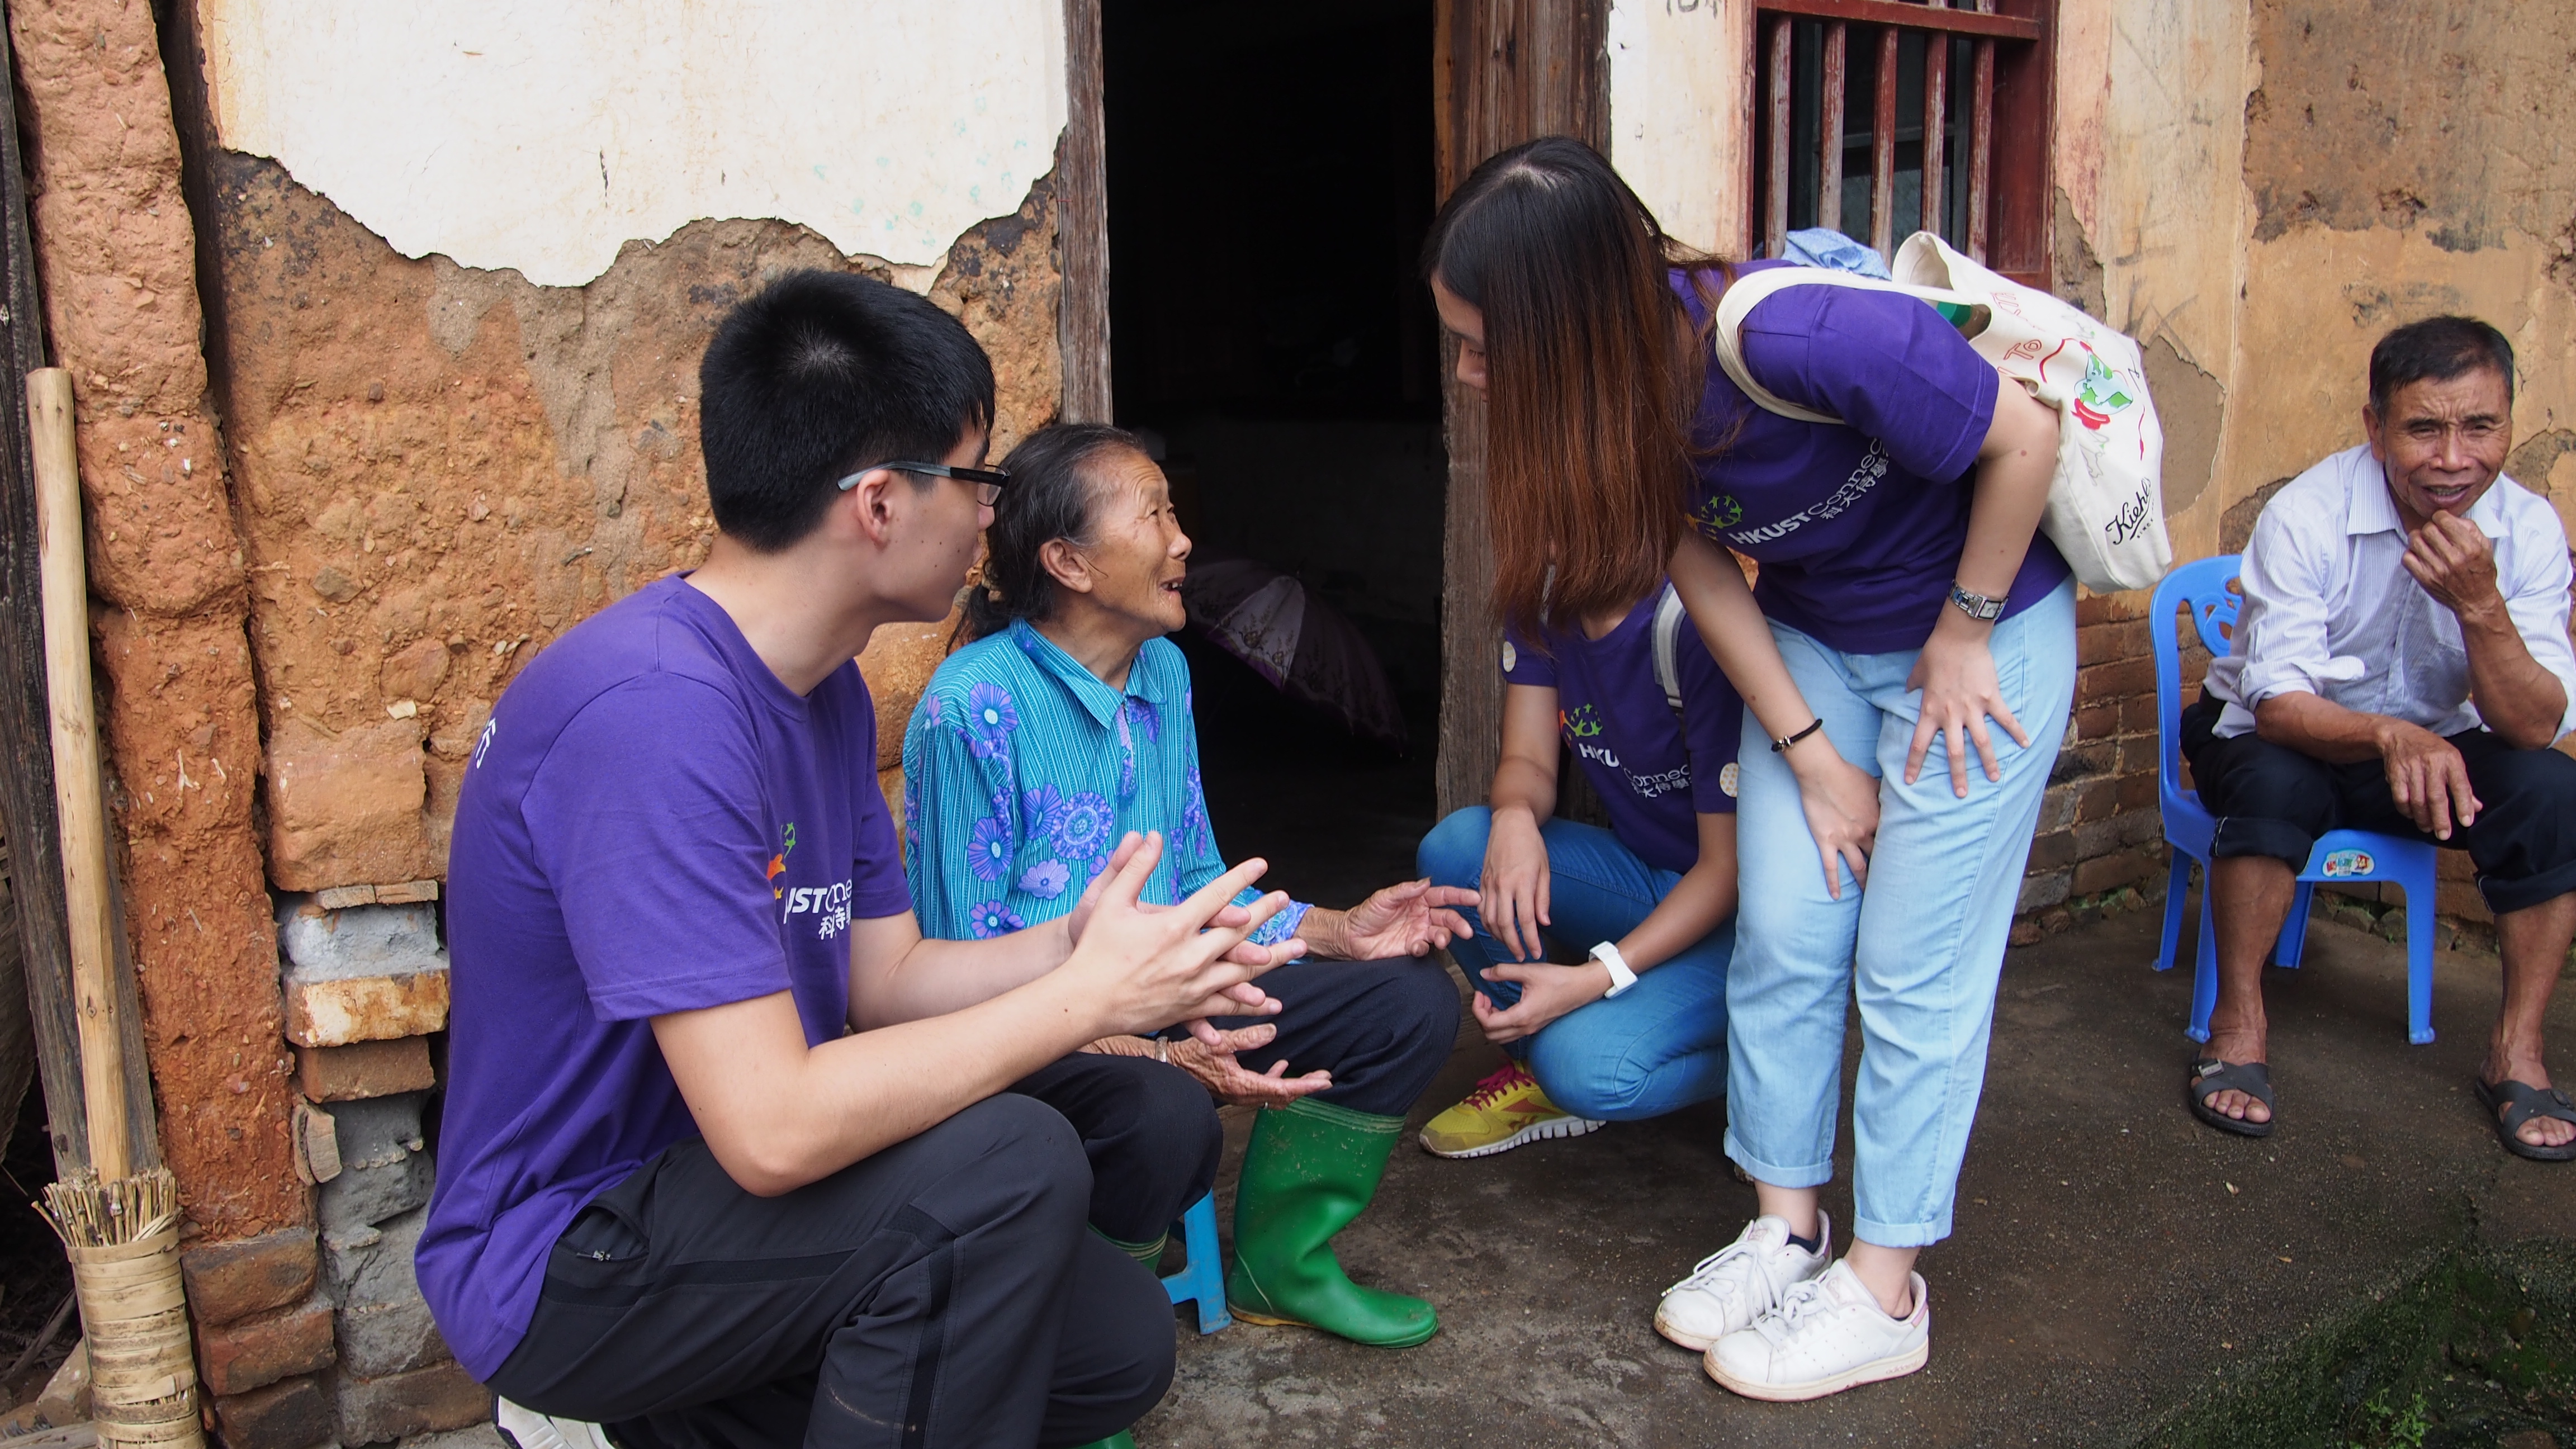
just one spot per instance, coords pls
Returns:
(730, 1153)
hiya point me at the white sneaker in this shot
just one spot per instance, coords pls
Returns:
(1740, 1282)
(528, 1429)
(1827, 1334)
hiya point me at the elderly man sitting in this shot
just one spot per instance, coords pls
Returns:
(2402, 665)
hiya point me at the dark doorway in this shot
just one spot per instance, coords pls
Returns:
(1271, 175)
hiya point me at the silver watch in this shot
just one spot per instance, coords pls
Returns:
(1976, 606)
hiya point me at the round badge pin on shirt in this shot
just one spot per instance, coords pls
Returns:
(1511, 657)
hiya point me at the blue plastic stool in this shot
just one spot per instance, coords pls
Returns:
(2340, 855)
(1203, 1279)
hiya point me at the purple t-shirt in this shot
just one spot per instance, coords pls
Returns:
(1654, 773)
(652, 822)
(1858, 528)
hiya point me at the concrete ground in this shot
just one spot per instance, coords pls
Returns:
(2111, 1256)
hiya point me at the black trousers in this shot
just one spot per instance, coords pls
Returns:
(944, 1292)
(1382, 1028)
(2272, 800)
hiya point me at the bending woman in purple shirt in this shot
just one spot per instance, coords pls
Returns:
(1903, 597)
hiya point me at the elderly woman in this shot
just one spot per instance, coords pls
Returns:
(1063, 726)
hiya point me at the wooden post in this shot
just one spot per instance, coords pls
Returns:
(74, 728)
(1082, 223)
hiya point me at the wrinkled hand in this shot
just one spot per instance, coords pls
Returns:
(2455, 563)
(1956, 672)
(2428, 778)
(1841, 803)
(1249, 953)
(1208, 1054)
(1512, 896)
(1547, 992)
(1412, 919)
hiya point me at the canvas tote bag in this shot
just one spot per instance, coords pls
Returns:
(2106, 504)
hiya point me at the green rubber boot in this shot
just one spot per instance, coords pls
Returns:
(1311, 1169)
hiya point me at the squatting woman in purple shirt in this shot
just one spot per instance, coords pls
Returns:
(1904, 597)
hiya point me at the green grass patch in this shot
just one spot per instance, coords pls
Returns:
(2474, 1346)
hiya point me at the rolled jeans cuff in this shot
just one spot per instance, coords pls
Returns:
(1772, 1174)
(1900, 1235)
(2528, 891)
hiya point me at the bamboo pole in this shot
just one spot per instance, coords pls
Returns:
(121, 1229)
(76, 767)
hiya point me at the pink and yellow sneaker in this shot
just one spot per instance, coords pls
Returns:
(1506, 1110)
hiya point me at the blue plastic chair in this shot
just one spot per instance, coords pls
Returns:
(1202, 1279)
(2340, 855)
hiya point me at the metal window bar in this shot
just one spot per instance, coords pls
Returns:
(1809, 41)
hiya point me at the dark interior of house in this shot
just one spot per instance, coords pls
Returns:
(1271, 177)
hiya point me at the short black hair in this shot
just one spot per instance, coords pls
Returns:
(1054, 494)
(817, 375)
(2440, 348)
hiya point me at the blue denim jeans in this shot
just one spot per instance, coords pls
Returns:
(1922, 948)
(1660, 1044)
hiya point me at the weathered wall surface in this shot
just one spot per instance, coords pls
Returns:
(116, 248)
(441, 469)
(1677, 111)
(544, 138)
(2265, 189)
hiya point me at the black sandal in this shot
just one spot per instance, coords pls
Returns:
(2510, 1103)
(2210, 1076)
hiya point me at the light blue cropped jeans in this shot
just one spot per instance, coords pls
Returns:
(1658, 1045)
(1922, 948)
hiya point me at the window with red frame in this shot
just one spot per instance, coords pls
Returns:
(1941, 118)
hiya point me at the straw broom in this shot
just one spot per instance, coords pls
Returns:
(120, 1227)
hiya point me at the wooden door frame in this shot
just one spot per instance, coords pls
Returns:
(1504, 71)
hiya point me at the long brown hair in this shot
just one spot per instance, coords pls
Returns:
(1593, 381)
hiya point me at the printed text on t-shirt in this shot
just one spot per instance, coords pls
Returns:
(831, 904)
(1864, 477)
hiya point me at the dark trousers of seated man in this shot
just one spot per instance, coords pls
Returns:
(2274, 801)
(943, 1292)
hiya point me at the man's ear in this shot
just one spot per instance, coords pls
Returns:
(871, 505)
(1066, 565)
(2370, 431)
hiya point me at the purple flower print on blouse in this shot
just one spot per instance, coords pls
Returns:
(1042, 812)
(991, 920)
(988, 847)
(990, 718)
(1086, 831)
(1046, 880)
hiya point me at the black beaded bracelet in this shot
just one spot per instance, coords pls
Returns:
(1785, 741)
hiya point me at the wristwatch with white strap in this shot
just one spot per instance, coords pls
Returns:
(1621, 978)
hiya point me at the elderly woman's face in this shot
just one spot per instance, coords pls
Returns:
(1141, 554)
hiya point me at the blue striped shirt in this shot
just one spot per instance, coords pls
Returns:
(1021, 771)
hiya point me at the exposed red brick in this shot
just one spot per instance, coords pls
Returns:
(230, 1281)
(2461, 899)
(2106, 608)
(2138, 790)
(2138, 715)
(288, 1415)
(2097, 800)
(256, 1352)
(2103, 872)
(366, 1069)
(345, 808)
(2115, 681)
(2096, 721)
(2052, 851)
(2106, 643)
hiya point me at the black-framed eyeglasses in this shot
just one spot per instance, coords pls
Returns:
(987, 482)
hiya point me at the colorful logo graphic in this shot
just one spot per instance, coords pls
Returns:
(1727, 778)
(778, 862)
(1718, 510)
(2098, 395)
(2343, 863)
(1580, 723)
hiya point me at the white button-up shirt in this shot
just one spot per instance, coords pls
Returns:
(2329, 610)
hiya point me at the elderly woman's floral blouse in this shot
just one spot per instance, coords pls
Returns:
(1021, 771)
